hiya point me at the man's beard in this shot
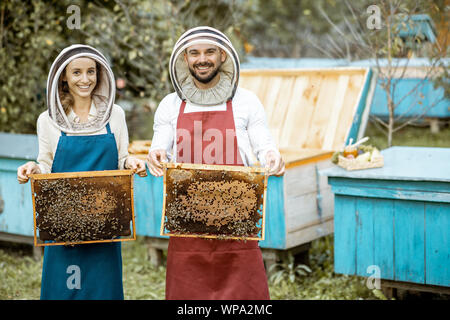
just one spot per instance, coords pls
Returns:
(204, 80)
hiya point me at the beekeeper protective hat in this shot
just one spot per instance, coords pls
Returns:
(182, 79)
(103, 94)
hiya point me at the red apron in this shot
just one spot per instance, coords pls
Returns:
(202, 269)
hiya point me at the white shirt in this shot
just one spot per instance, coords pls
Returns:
(252, 132)
(49, 134)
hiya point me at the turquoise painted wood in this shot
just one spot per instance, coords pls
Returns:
(148, 200)
(383, 228)
(437, 226)
(396, 217)
(17, 215)
(409, 245)
(357, 122)
(275, 236)
(345, 252)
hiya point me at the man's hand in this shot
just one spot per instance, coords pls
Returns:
(154, 159)
(25, 170)
(274, 163)
(137, 165)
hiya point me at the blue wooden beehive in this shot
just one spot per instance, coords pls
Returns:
(396, 218)
(414, 94)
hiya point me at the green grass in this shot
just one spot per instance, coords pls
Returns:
(21, 275)
(413, 136)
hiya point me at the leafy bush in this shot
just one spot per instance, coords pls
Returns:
(137, 37)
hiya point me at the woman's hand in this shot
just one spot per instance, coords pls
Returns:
(274, 163)
(25, 170)
(137, 165)
(154, 159)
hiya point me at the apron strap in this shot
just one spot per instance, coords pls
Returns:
(183, 105)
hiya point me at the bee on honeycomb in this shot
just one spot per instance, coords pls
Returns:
(75, 210)
(220, 203)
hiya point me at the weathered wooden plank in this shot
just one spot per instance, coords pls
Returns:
(270, 98)
(321, 113)
(281, 107)
(82, 174)
(405, 164)
(408, 185)
(437, 244)
(309, 233)
(294, 115)
(383, 236)
(199, 166)
(305, 111)
(296, 72)
(300, 180)
(409, 245)
(275, 236)
(16, 217)
(346, 117)
(301, 210)
(338, 106)
(345, 234)
(392, 193)
(300, 157)
(326, 202)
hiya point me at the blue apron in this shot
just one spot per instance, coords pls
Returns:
(86, 271)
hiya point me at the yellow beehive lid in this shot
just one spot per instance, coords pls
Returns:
(309, 111)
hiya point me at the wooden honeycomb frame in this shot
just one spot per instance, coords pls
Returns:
(114, 189)
(197, 219)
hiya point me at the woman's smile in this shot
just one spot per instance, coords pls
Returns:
(81, 77)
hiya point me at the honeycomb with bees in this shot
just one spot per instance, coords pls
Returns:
(87, 207)
(213, 201)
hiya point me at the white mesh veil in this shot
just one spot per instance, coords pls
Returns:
(182, 79)
(103, 95)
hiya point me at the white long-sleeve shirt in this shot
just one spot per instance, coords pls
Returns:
(48, 135)
(252, 132)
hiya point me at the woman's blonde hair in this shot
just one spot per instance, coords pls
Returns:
(65, 96)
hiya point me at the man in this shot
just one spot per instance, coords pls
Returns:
(210, 120)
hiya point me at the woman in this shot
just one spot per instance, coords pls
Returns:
(82, 130)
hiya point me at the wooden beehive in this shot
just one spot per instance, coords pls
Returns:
(83, 207)
(214, 201)
(395, 219)
(311, 113)
(139, 148)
